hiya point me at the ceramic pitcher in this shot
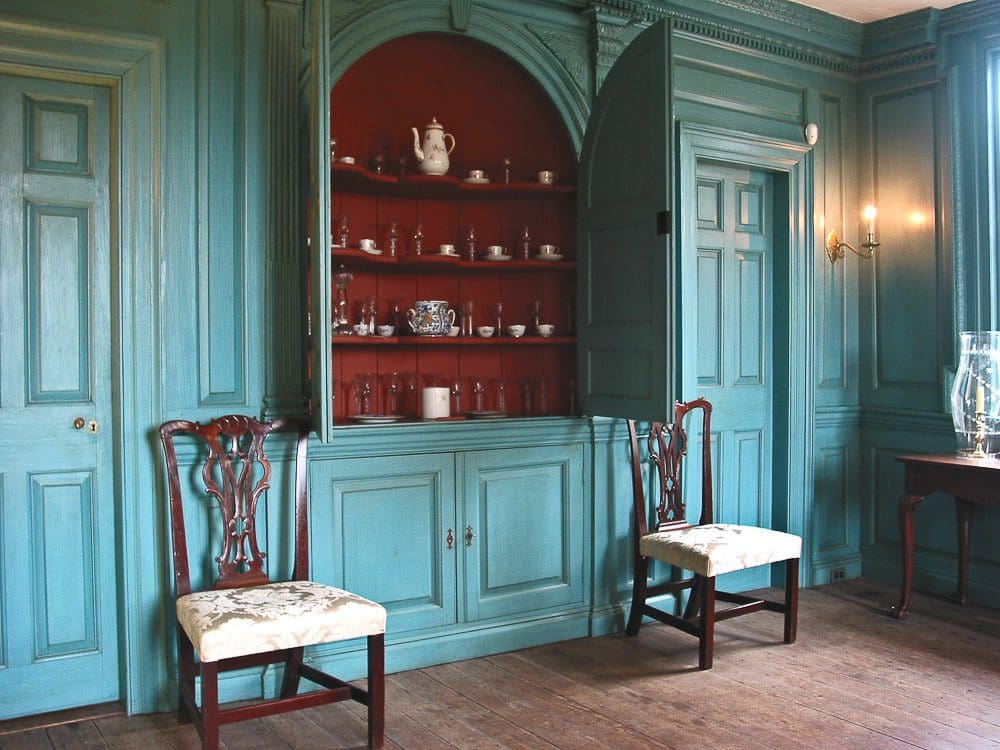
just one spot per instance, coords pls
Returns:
(430, 317)
(432, 157)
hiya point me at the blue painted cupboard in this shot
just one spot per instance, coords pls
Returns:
(207, 120)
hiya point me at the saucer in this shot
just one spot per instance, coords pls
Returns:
(548, 256)
(476, 180)
(485, 414)
(496, 257)
(448, 255)
(372, 251)
(376, 418)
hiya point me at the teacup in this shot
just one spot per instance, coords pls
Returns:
(516, 330)
(547, 177)
(346, 159)
(477, 174)
(447, 249)
(495, 250)
(360, 329)
(546, 329)
(548, 249)
(430, 317)
(484, 331)
(453, 331)
(386, 331)
(366, 244)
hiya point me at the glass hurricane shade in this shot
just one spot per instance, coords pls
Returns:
(975, 395)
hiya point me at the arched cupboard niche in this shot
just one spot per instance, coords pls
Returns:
(504, 125)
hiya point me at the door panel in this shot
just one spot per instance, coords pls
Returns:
(58, 630)
(733, 320)
(626, 267)
(525, 510)
(381, 531)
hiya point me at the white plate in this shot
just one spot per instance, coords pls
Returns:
(496, 257)
(376, 418)
(476, 180)
(485, 414)
(548, 256)
(373, 251)
(448, 255)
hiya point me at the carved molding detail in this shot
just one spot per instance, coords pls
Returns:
(804, 17)
(979, 16)
(341, 10)
(460, 12)
(893, 63)
(570, 50)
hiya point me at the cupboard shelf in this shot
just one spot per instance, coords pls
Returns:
(356, 179)
(451, 341)
(438, 263)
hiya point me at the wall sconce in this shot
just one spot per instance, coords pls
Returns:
(835, 248)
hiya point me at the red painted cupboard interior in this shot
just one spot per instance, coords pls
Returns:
(495, 110)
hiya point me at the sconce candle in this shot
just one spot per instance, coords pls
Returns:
(975, 396)
(870, 213)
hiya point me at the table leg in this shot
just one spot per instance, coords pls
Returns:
(963, 516)
(904, 512)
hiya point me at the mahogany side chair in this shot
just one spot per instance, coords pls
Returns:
(706, 549)
(245, 619)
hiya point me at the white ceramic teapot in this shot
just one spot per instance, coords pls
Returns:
(433, 156)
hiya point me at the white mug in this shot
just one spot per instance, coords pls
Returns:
(436, 403)
(547, 177)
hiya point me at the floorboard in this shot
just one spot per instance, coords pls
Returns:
(855, 679)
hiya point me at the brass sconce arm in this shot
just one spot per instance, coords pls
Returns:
(835, 248)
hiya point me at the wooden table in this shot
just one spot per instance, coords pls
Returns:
(970, 481)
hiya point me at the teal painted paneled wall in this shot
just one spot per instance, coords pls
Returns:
(923, 105)
(210, 318)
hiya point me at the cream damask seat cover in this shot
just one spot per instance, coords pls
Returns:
(714, 549)
(224, 623)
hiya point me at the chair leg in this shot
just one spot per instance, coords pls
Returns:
(376, 690)
(639, 578)
(791, 599)
(706, 639)
(185, 675)
(290, 682)
(210, 705)
(693, 597)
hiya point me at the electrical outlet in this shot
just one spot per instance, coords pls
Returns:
(838, 574)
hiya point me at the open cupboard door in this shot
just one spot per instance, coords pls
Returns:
(320, 344)
(627, 270)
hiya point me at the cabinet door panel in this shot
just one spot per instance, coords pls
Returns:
(525, 508)
(626, 292)
(379, 529)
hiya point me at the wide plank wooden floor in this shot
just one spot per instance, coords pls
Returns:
(855, 679)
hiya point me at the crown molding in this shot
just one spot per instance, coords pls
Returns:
(982, 15)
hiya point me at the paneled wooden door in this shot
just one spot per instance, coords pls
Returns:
(734, 322)
(58, 581)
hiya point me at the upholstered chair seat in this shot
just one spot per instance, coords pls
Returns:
(718, 548)
(225, 623)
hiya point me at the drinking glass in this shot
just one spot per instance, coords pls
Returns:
(527, 391)
(391, 384)
(418, 240)
(456, 396)
(466, 320)
(478, 393)
(344, 233)
(498, 318)
(525, 242)
(500, 394)
(535, 313)
(364, 393)
(341, 307)
(470, 244)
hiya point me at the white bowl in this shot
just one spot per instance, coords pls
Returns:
(516, 330)
(453, 331)
(485, 331)
(360, 329)
(546, 329)
(386, 331)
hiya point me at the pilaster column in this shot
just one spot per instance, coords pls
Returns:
(284, 258)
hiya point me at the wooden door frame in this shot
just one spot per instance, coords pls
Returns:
(131, 67)
(794, 161)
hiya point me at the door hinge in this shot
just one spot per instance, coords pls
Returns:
(663, 222)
